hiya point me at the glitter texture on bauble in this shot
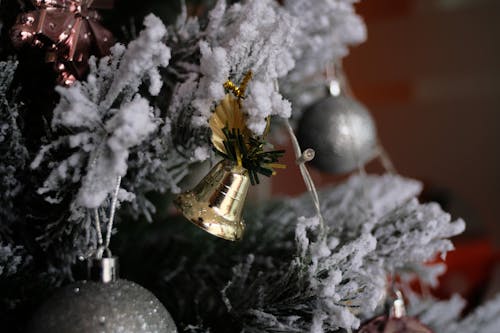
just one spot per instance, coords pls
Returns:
(341, 131)
(104, 305)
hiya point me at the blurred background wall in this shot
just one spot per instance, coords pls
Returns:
(430, 74)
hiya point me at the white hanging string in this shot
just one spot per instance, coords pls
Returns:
(114, 201)
(301, 159)
(385, 159)
(98, 227)
(97, 218)
(104, 246)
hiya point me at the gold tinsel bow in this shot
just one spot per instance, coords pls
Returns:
(233, 140)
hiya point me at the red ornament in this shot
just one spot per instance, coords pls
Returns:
(396, 322)
(69, 30)
(386, 324)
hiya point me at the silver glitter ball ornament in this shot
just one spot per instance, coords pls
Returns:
(118, 306)
(341, 131)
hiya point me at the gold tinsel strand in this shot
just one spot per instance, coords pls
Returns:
(239, 91)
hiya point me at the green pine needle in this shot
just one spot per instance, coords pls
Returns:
(253, 157)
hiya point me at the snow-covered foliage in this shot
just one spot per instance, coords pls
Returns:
(445, 316)
(344, 271)
(12, 259)
(302, 280)
(326, 28)
(438, 314)
(105, 119)
(484, 319)
(142, 115)
(252, 36)
(12, 149)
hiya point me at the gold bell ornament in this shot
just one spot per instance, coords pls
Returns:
(216, 203)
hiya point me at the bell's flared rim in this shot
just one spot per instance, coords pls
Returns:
(231, 230)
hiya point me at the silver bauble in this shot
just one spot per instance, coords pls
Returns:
(120, 306)
(341, 131)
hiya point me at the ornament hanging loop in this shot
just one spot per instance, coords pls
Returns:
(336, 79)
(239, 91)
(307, 156)
(102, 252)
(302, 157)
(103, 245)
(398, 309)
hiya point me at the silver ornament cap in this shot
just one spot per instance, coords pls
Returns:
(104, 270)
(341, 131)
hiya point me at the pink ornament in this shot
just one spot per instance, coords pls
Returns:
(396, 322)
(69, 30)
(385, 324)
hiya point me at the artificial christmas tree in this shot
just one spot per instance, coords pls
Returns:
(122, 140)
